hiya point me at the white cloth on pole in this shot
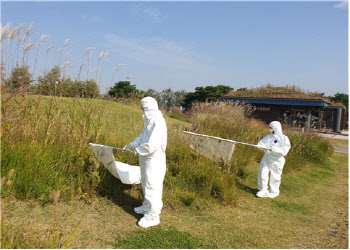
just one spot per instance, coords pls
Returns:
(128, 174)
(214, 148)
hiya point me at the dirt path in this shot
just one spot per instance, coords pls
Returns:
(341, 149)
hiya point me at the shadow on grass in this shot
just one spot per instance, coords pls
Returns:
(121, 195)
(252, 191)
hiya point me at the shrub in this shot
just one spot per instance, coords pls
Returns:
(306, 148)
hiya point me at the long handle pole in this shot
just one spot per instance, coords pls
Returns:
(218, 138)
(124, 150)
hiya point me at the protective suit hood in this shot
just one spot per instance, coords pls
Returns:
(149, 103)
(275, 128)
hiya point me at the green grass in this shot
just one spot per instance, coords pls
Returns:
(309, 213)
(45, 158)
(159, 238)
(45, 139)
(341, 142)
(291, 207)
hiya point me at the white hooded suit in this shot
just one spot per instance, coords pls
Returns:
(150, 146)
(276, 146)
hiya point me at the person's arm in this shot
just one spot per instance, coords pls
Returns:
(281, 148)
(262, 145)
(155, 139)
(134, 143)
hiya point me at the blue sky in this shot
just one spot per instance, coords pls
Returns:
(183, 45)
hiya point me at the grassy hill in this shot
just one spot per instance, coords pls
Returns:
(45, 140)
(46, 160)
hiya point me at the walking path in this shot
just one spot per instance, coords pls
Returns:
(341, 149)
(344, 135)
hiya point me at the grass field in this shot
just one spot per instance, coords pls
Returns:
(56, 195)
(311, 212)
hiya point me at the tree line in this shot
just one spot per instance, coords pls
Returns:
(169, 98)
(53, 82)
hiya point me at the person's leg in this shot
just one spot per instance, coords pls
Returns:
(146, 205)
(155, 172)
(275, 178)
(263, 178)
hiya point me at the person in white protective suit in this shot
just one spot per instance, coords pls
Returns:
(276, 146)
(150, 146)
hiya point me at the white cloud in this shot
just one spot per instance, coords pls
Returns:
(156, 51)
(150, 12)
(341, 5)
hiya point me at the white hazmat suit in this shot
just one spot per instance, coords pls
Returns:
(276, 146)
(150, 146)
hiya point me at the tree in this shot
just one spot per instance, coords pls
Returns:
(122, 89)
(77, 89)
(50, 83)
(179, 97)
(153, 93)
(91, 89)
(341, 98)
(167, 98)
(68, 85)
(20, 78)
(202, 94)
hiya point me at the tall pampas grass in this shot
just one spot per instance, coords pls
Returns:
(42, 38)
(116, 68)
(103, 59)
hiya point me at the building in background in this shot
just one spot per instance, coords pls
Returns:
(304, 113)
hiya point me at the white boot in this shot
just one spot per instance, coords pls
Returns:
(149, 220)
(140, 210)
(263, 194)
(273, 195)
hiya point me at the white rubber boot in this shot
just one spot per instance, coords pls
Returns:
(273, 195)
(149, 220)
(263, 194)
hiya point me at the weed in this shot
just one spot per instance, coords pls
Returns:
(14, 236)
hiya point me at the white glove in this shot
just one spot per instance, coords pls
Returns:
(128, 147)
(263, 148)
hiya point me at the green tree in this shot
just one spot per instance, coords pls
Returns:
(179, 97)
(153, 93)
(78, 89)
(122, 89)
(167, 98)
(341, 98)
(68, 86)
(50, 83)
(19, 78)
(91, 89)
(202, 94)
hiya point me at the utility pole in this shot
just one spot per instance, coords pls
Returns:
(55, 87)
